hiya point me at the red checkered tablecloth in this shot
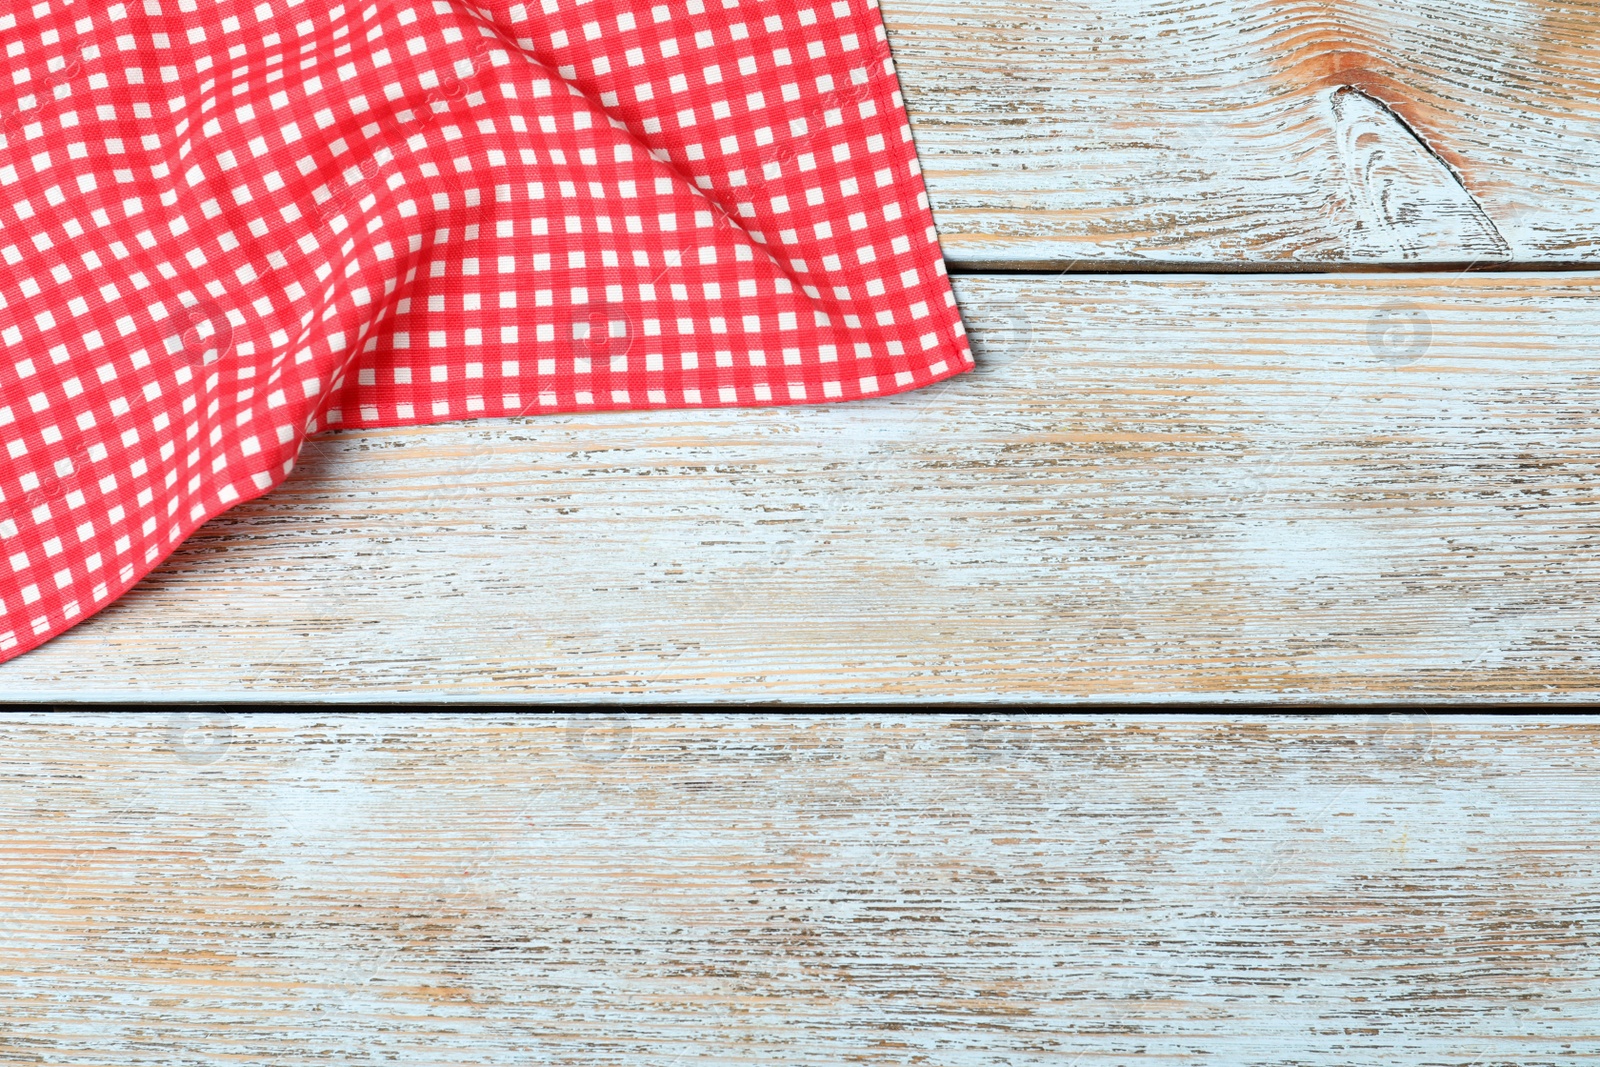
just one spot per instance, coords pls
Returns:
(227, 226)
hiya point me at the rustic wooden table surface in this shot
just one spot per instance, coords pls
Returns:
(312, 889)
(1288, 323)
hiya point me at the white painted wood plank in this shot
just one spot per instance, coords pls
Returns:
(310, 890)
(1168, 488)
(1210, 132)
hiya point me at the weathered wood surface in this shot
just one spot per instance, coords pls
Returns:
(1155, 487)
(664, 893)
(1256, 135)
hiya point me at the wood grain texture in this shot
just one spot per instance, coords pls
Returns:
(1211, 132)
(1160, 487)
(308, 890)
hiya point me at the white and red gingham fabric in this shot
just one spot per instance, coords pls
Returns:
(227, 225)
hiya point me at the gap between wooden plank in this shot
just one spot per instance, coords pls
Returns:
(191, 704)
(1052, 268)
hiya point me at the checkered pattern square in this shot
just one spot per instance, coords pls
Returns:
(226, 226)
